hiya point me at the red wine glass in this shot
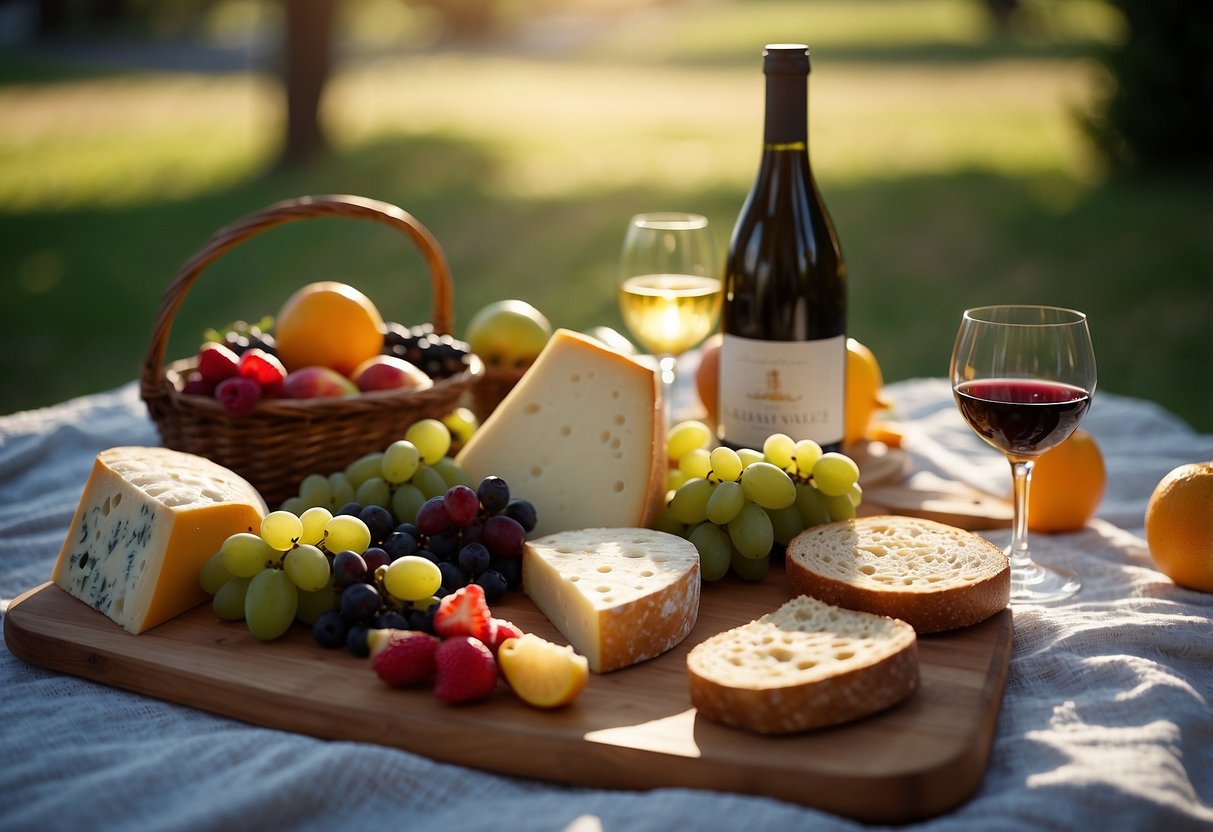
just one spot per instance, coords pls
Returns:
(1023, 377)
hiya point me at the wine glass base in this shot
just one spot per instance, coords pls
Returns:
(1036, 584)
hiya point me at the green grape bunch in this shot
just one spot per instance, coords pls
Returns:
(741, 507)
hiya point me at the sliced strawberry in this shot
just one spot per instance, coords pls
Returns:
(263, 368)
(503, 631)
(403, 658)
(465, 670)
(216, 362)
(465, 613)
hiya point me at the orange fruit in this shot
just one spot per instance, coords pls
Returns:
(707, 376)
(1067, 485)
(1179, 525)
(543, 674)
(328, 324)
(863, 400)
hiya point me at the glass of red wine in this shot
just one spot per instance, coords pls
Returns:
(1023, 377)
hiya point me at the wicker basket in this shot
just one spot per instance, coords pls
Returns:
(281, 441)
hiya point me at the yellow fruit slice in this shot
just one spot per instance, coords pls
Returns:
(543, 674)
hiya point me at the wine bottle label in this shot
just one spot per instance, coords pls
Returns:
(792, 387)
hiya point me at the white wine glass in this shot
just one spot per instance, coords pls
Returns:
(1023, 377)
(669, 289)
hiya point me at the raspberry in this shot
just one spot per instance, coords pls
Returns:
(403, 658)
(238, 395)
(465, 670)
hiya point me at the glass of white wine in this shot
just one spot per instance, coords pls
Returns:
(669, 290)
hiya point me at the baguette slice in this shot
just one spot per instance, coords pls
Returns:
(934, 576)
(806, 665)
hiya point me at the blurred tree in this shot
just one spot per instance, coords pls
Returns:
(1159, 111)
(307, 62)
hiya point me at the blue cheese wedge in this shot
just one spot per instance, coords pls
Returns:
(149, 518)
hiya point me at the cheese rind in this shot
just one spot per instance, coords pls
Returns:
(148, 519)
(580, 436)
(620, 596)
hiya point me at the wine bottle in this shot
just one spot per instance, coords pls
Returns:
(783, 358)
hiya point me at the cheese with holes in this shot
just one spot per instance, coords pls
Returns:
(581, 436)
(620, 596)
(149, 518)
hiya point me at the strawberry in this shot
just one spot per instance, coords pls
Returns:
(403, 658)
(216, 362)
(503, 631)
(263, 368)
(465, 670)
(465, 613)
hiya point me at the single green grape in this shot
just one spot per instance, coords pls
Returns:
(313, 521)
(726, 464)
(778, 449)
(341, 489)
(750, 569)
(715, 550)
(245, 554)
(768, 485)
(696, 463)
(374, 492)
(690, 503)
(228, 602)
(685, 437)
(270, 604)
(452, 473)
(811, 504)
(806, 454)
(667, 522)
(674, 480)
(344, 532)
(835, 473)
(786, 523)
(855, 495)
(429, 482)
(312, 604)
(432, 439)
(751, 531)
(315, 490)
(749, 456)
(840, 507)
(281, 530)
(400, 461)
(295, 505)
(213, 573)
(405, 501)
(462, 423)
(307, 567)
(363, 468)
(725, 502)
(412, 578)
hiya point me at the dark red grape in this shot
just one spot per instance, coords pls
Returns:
(375, 557)
(432, 517)
(462, 505)
(348, 569)
(504, 536)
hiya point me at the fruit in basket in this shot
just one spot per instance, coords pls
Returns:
(1067, 484)
(1179, 526)
(317, 383)
(329, 324)
(437, 355)
(217, 362)
(387, 372)
(542, 673)
(508, 333)
(263, 368)
(238, 395)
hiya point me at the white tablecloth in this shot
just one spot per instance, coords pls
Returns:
(1107, 720)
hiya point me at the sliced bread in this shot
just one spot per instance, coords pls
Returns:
(934, 576)
(806, 665)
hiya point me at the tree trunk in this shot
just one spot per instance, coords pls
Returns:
(308, 60)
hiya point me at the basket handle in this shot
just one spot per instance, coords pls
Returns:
(301, 208)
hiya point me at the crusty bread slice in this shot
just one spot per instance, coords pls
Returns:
(934, 576)
(806, 665)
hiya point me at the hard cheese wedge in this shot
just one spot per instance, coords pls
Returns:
(148, 520)
(580, 436)
(619, 596)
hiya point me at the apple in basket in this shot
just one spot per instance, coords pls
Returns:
(317, 383)
(387, 372)
(508, 333)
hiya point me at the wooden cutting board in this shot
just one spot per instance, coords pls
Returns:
(632, 729)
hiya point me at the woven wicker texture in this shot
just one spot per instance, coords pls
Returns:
(281, 441)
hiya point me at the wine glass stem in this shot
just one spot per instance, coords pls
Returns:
(668, 363)
(1021, 559)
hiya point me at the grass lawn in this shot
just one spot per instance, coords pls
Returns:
(949, 157)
